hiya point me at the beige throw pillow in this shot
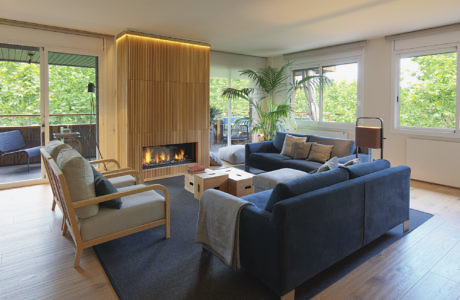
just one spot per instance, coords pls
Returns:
(79, 177)
(320, 153)
(288, 146)
(301, 150)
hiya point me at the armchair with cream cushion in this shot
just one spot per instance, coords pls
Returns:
(89, 223)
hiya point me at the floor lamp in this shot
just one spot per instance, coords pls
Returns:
(92, 90)
(370, 137)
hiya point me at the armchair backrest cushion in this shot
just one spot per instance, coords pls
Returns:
(54, 147)
(80, 180)
(305, 184)
(278, 142)
(342, 147)
(362, 169)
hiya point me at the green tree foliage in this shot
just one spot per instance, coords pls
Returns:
(339, 104)
(428, 91)
(240, 107)
(20, 93)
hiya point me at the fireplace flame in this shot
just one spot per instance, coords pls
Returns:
(152, 157)
(148, 156)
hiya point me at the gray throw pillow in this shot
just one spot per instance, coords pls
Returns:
(329, 165)
(320, 153)
(301, 150)
(351, 162)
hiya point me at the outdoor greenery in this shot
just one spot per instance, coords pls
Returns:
(20, 93)
(428, 91)
(217, 85)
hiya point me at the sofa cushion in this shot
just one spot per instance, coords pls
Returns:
(80, 180)
(103, 187)
(278, 142)
(267, 161)
(301, 150)
(367, 168)
(138, 209)
(54, 147)
(320, 153)
(302, 165)
(289, 141)
(269, 180)
(342, 147)
(305, 184)
(259, 199)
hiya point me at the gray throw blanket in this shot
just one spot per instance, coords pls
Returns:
(218, 225)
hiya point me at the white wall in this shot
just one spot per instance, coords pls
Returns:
(377, 101)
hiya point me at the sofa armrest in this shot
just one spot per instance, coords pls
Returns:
(265, 147)
(259, 250)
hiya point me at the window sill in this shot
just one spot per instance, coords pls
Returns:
(425, 132)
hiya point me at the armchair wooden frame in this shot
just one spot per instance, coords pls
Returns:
(70, 219)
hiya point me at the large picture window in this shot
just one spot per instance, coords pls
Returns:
(334, 100)
(427, 90)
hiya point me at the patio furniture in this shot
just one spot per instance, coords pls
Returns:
(12, 142)
(87, 222)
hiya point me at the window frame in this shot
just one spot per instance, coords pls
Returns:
(423, 50)
(339, 59)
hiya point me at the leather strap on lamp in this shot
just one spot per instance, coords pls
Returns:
(368, 136)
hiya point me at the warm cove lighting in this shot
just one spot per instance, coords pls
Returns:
(163, 40)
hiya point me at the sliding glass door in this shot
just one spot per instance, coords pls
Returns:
(44, 95)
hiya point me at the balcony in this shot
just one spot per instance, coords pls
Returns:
(13, 167)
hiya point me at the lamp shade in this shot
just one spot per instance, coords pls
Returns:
(368, 137)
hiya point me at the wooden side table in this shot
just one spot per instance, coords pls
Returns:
(209, 179)
(239, 182)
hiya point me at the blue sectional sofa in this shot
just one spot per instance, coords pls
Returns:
(305, 225)
(266, 155)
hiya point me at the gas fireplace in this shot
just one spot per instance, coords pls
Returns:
(168, 155)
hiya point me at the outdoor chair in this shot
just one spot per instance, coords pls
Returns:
(12, 142)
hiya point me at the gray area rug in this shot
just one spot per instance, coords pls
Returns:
(145, 266)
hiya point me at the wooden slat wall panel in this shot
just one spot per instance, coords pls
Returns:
(163, 94)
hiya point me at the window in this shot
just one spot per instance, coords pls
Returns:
(334, 100)
(427, 90)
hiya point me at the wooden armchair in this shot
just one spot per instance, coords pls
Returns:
(108, 223)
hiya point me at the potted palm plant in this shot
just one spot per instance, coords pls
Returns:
(270, 82)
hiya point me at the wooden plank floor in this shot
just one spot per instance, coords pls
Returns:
(36, 261)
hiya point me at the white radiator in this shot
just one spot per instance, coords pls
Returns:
(434, 161)
(328, 133)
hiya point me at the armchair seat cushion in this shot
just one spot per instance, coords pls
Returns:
(122, 181)
(268, 161)
(137, 210)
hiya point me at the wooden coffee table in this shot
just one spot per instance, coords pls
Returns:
(239, 182)
(231, 180)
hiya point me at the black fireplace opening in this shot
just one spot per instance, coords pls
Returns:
(168, 155)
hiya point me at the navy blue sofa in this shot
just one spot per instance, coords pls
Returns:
(266, 155)
(305, 225)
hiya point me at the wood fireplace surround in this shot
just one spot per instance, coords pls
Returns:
(163, 99)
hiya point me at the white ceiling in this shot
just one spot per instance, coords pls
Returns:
(253, 27)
